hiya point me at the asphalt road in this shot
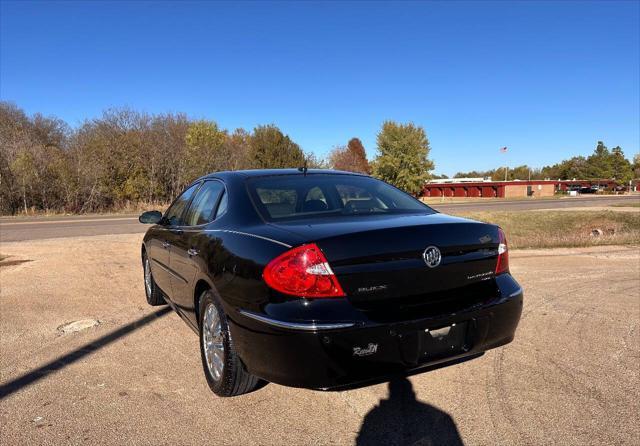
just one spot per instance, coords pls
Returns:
(34, 228)
(131, 374)
(527, 205)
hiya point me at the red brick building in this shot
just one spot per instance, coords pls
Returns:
(477, 187)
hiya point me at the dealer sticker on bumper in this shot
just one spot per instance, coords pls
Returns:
(369, 350)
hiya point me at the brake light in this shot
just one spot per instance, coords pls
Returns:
(304, 272)
(503, 254)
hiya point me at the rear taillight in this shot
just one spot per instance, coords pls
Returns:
(304, 272)
(503, 254)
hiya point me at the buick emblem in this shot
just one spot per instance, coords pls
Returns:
(432, 256)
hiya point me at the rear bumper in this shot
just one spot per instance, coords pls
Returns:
(328, 356)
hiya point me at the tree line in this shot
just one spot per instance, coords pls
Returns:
(128, 158)
(601, 164)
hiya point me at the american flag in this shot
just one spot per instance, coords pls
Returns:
(503, 150)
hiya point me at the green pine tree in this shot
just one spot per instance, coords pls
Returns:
(622, 169)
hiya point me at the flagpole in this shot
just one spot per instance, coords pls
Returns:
(506, 167)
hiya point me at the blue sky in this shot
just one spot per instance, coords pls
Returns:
(546, 79)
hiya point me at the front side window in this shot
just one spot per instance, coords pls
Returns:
(174, 213)
(204, 204)
(326, 195)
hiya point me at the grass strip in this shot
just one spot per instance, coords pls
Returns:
(554, 229)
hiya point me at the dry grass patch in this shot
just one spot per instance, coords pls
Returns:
(125, 208)
(551, 229)
(627, 205)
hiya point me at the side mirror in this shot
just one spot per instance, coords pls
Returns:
(150, 217)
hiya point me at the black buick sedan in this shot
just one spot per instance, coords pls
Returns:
(325, 279)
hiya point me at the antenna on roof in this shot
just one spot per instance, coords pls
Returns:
(304, 169)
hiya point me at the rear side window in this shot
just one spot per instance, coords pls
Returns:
(174, 213)
(224, 203)
(319, 195)
(204, 204)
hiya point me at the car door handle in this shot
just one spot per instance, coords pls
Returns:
(166, 245)
(192, 252)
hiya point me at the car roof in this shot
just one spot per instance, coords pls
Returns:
(266, 172)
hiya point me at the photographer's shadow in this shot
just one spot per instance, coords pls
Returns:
(403, 420)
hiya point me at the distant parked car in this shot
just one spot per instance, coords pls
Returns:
(325, 279)
(620, 188)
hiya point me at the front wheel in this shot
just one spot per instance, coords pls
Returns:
(153, 293)
(225, 373)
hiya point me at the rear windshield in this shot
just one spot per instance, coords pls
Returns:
(288, 197)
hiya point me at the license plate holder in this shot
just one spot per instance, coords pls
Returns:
(444, 341)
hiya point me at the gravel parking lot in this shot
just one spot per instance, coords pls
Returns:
(127, 373)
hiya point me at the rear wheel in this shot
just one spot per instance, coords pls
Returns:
(225, 373)
(153, 293)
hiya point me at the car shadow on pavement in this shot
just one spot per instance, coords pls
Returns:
(58, 364)
(403, 420)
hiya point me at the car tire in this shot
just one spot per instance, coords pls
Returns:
(223, 369)
(151, 290)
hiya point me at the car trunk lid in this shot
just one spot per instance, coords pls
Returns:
(381, 259)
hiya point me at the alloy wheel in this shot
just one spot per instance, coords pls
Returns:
(212, 341)
(147, 277)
